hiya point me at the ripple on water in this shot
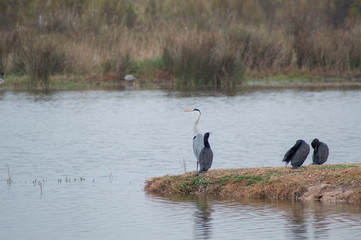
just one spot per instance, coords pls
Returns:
(135, 135)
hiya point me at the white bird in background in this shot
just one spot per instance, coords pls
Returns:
(198, 140)
(2, 78)
(129, 77)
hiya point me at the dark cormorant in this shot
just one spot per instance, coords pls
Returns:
(206, 156)
(320, 152)
(297, 154)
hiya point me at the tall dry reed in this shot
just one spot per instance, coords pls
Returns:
(337, 51)
(261, 50)
(8, 42)
(200, 43)
(202, 59)
(39, 57)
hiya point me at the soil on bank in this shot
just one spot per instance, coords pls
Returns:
(332, 183)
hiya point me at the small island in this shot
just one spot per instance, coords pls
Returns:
(330, 183)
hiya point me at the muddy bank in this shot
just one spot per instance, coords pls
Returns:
(331, 183)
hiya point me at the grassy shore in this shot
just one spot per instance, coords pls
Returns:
(334, 183)
(111, 81)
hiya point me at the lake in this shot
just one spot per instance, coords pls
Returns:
(73, 163)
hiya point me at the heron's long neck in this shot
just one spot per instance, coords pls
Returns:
(196, 124)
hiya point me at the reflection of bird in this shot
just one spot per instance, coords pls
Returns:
(203, 218)
(206, 156)
(2, 78)
(198, 142)
(320, 152)
(297, 154)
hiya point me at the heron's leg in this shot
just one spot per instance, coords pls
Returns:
(197, 165)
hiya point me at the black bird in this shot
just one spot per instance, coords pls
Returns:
(206, 156)
(297, 154)
(320, 152)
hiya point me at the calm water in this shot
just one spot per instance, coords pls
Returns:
(93, 150)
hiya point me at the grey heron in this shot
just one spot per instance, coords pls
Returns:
(297, 154)
(320, 152)
(198, 142)
(206, 156)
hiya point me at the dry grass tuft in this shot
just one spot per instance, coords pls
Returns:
(203, 58)
(341, 182)
(39, 56)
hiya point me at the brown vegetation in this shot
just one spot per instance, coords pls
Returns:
(340, 182)
(196, 43)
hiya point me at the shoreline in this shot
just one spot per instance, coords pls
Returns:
(327, 183)
(97, 82)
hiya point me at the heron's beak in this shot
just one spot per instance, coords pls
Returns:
(188, 110)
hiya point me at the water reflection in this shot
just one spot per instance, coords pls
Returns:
(320, 221)
(202, 218)
(254, 218)
(297, 222)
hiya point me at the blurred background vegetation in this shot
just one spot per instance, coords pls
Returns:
(190, 43)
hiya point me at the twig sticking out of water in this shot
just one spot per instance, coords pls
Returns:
(9, 180)
(68, 179)
(110, 175)
(184, 162)
(41, 185)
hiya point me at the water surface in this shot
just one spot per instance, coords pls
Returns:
(93, 150)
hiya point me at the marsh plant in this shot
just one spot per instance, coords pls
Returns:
(9, 179)
(41, 185)
(203, 59)
(183, 162)
(191, 44)
(119, 63)
(69, 179)
(39, 57)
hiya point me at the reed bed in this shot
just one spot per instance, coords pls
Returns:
(39, 57)
(203, 59)
(200, 43)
